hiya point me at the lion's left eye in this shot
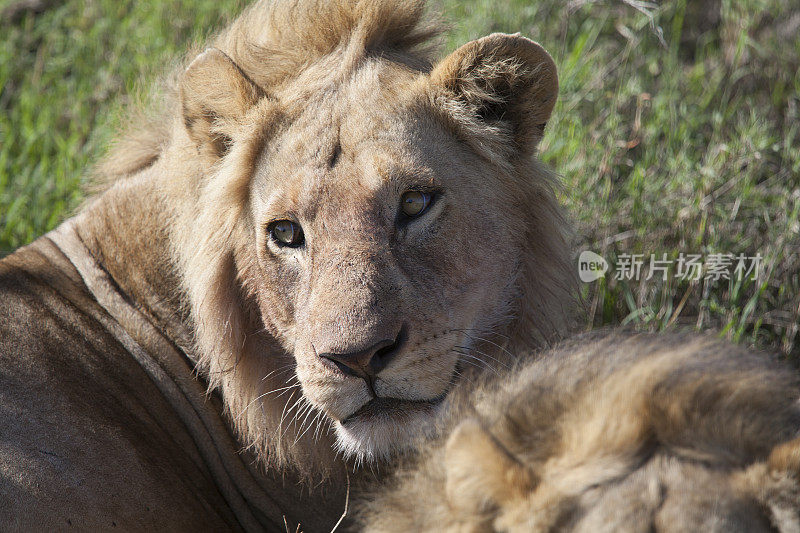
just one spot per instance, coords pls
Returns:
(414, 203)
(286, 233)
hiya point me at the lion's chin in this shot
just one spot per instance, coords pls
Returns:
(385, 427)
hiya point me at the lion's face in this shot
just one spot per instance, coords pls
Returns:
(381, 254)
(387, 229)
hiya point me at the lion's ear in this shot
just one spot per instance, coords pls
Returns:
(480, 473)
(505, 80)
(775, 484)
(215, 93)
(786, 458)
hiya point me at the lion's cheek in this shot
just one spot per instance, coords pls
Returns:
(419, 376)
(277, 313)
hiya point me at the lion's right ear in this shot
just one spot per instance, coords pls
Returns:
(505, 81)
(215, 93)
(480, 473)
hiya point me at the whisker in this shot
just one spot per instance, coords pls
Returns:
(477, 331)
(309, 425)
(294, 405)
(498, 361)
(320, 423)
(482, 339)
(306, 410)
(484, 366)
(283, 415)
(265, 394)
(268, 375)
(457, 376)
(284, 368)
(471, 360)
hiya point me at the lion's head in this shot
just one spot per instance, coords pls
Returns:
(611, 432)
(357, 226)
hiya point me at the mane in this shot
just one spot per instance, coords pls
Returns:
(272, 42)
(596, 420)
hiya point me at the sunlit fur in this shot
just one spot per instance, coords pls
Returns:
(612, 432)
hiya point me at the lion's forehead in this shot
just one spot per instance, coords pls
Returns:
(356, 191)
(338, 167)
(351, 143)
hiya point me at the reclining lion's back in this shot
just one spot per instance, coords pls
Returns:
(613, 432)
(85, 434)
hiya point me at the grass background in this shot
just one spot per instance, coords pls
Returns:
(677, 131)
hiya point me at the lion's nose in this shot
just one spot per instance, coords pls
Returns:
(368, 362)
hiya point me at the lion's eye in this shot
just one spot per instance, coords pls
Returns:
(286, 233)
(414, 203)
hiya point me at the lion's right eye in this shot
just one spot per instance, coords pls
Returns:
(414, 203)
(286, 233)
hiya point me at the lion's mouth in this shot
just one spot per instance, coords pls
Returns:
(391, 408)
(385, 426)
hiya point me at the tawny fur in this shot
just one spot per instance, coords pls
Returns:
(612, 432)
(326, 113)
(251, 129)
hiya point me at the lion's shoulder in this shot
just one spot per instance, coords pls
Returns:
(87, 439)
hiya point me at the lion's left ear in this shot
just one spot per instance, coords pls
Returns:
(480, 473)
(215, 93)
(505, 80)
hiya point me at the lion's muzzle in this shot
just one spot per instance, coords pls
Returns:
(367, 363)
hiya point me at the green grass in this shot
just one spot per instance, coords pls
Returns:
(678, 130)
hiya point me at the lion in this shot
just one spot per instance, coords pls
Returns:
(314, 234)
(612, 431)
